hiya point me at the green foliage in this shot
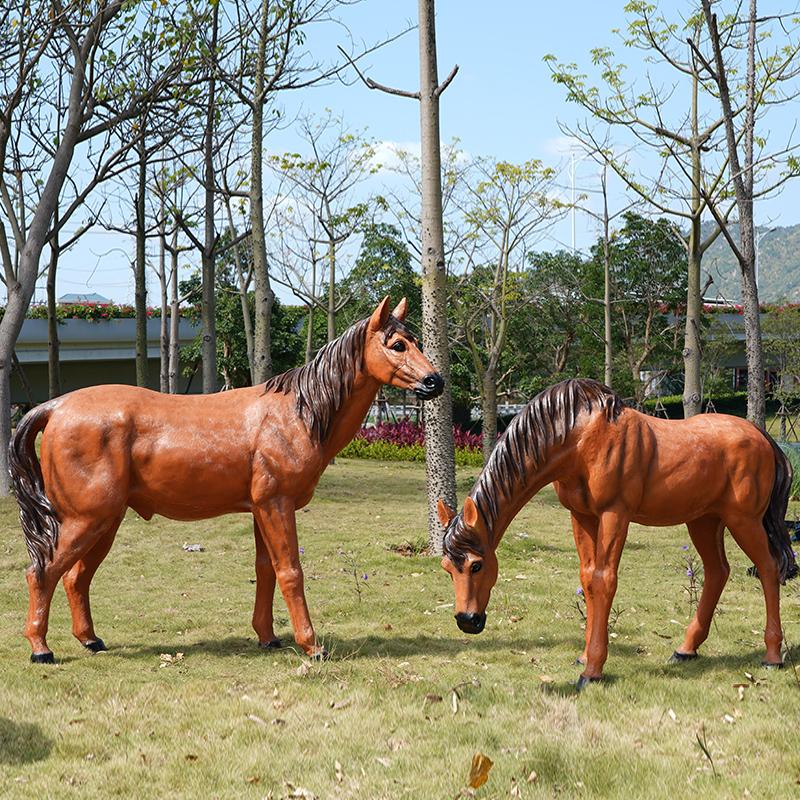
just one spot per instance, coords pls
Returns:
(383, 267)
(792, 451)
(780, 327)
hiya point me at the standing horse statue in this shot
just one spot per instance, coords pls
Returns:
(612, 466)
(260, 450)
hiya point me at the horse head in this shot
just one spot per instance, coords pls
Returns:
(393, 355)
(471, 562)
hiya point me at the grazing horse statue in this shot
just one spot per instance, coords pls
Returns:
(611, 466)
(260, 449)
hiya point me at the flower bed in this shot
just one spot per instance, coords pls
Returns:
(405, 441)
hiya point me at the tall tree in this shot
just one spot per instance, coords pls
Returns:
(691, 182)
(503, 207)
(440, 460)
(648, 287)
(318, 201)
(763, 86)
(87, 54)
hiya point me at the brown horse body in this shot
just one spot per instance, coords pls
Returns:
(611, 466)
(260, 450)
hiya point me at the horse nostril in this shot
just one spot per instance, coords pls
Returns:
(471, 623)
(432, 385)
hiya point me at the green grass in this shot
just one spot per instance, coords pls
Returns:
(184, 705)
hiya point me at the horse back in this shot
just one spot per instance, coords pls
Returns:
(667, 472)
(182, 456)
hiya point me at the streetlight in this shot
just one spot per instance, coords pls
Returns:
(759, 237)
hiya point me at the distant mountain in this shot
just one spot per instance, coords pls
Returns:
(778, 265)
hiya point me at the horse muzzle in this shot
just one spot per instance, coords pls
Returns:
(471, 623)
(430, 386)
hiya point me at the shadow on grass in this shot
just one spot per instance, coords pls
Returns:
(23, 743)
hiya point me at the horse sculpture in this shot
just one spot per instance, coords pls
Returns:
(612, 466)
(260, 449)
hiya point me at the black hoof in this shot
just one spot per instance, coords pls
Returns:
(772, 665)
(42, 658)
(681, 658)
(272, 644)
(578, 663)
(584, 681)
(97, 646)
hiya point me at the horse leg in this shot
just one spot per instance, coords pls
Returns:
(76, 584)
(265, 592)
(276, 522)
(75, 540)
(585, 531)
(707, 534)
(611, 534)
(752, 538)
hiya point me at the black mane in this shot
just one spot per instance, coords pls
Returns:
(323, 385)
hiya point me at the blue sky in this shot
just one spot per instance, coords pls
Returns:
(502, 103)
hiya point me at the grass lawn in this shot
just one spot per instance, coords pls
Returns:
(184, 705)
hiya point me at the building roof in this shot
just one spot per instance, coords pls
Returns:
(82, 299)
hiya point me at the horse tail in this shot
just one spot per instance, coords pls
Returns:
(775, 515)
(40, 522)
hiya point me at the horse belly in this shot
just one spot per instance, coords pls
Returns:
(186, 487)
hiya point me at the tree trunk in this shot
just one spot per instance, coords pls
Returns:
(693, 348)
(140, 281)
(261, 363)
(174, 321)
(207, 311)
(742, 179)
(608, 358)
(440, 449)
(163, 338)
(53, 362)
(489, 393)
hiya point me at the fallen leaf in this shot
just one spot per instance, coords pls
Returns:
(515, 791)
(546, 679)
(533, 777)
(455, 703)
(433, 698)
(303, 670)
(257, 720)
(479, 771)
(341, 704)
(673, 715)
(339, 773)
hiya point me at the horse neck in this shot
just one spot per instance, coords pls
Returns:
(351, 415)
(507, 483)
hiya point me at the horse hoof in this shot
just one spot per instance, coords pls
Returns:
(272, 644)
(42, 658)
(584, 681)
(97, 646)
(578, 663)
(681, 658)
(772, 664)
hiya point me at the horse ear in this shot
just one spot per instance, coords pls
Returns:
(400, 311)
(470, 513)
(445, 513)
(380, 315)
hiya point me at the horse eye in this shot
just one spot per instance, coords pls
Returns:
(476, 567)
(399, 346)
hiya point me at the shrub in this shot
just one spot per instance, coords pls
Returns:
(405, 441)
